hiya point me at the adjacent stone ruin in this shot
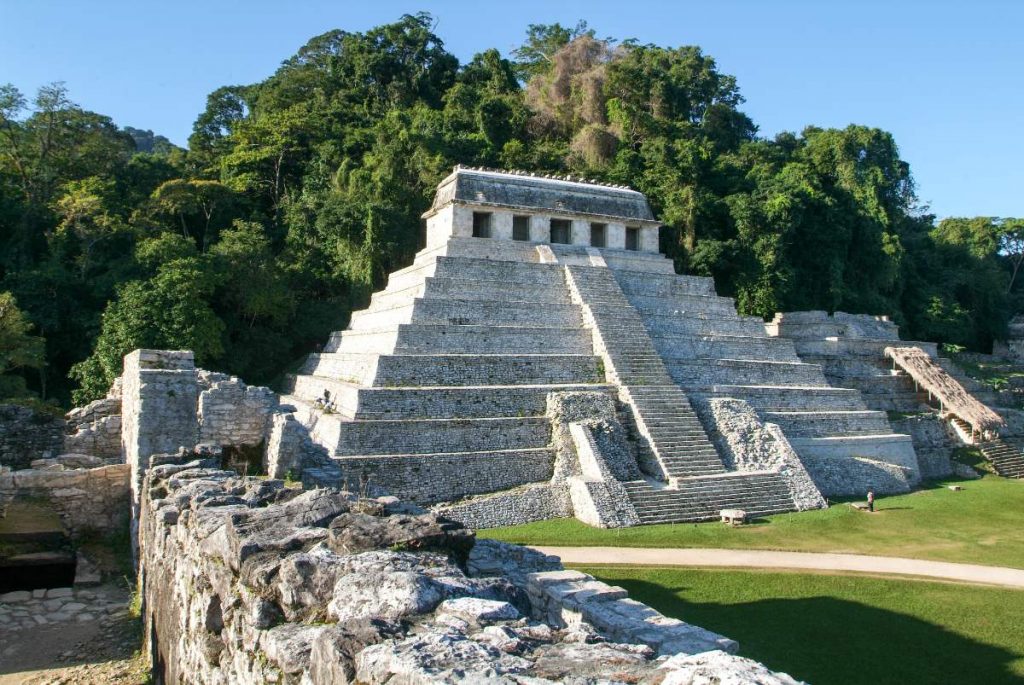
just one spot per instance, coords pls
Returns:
(249, 581)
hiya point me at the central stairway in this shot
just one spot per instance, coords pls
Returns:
(698, 484)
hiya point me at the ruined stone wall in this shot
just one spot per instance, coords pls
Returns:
(95, 429)
(748, 444)
(247, 581)
(525, 504)
(27, 434)
(231, 412)
(88, 499)
(933, 443)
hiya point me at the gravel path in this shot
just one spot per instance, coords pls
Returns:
(746, 558)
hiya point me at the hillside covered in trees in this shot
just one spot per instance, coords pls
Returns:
(297, 195)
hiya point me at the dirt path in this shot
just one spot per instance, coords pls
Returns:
(742, 558)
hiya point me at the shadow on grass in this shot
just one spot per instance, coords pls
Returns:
(829, 641)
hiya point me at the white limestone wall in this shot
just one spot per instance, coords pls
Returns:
(649, 239)
(540, 228)
(580, 232)
(439, 226)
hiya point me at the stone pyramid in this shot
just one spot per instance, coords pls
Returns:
(533, 287)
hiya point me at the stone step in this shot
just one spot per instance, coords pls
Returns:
(682, 303)
(673, 347)
(454, 370)
(657, 285)
(443, 476)
(894, 448)
(453, 339)
(789, 398)
(437, 287)
(696, 324)
(353, 401)
(480, 269)
(701, 372)
(826, 423)
(469, 312)
(698, 499)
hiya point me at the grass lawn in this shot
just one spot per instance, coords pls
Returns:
(983, 524)
(840, 629)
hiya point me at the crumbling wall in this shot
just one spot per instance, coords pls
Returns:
(231, 412)
(89, 496)
(933, 444)
(524, 504)
(591, 456)
(96, 428)
(27, 434)
(748, 444)
(247, 581)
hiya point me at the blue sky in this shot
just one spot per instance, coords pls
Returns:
(945, 77)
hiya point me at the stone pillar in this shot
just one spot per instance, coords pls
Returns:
(540, 228)
(616, 235)
(501, 225)
(649, 239)
(580, 232)
(159, 404)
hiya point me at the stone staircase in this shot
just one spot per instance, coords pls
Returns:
(701, 498)
(712, 351)
(699, 485)
(1006, 458)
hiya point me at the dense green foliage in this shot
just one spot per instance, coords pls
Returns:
(306, 189)
(980, 525)
(841, 629)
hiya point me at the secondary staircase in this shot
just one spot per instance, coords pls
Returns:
(699, 485)
(1006, 458)
(710, 350)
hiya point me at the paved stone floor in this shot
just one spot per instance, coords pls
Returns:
(63, 637)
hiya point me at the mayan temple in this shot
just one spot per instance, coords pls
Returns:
(460, 385)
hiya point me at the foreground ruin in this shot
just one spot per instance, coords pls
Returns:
(248, 581)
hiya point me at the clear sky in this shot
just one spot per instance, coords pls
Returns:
(944, 77)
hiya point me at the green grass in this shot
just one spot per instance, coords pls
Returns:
(983, 524)
(840, 629)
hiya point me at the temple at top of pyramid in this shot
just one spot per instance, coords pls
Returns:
(503, 205)
(539, 359)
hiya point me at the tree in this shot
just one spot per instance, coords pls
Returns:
(536, 54)
(194, 203)
(85, 218)
(19, 349)
(171, 310)
(1011, 246)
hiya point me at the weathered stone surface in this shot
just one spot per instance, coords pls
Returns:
(752, 445)
(353, 533)
(87, 500)
(300, 611)
(26, 434)
(720, 668)
(479, 612)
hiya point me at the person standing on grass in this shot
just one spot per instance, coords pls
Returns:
(871, 500)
